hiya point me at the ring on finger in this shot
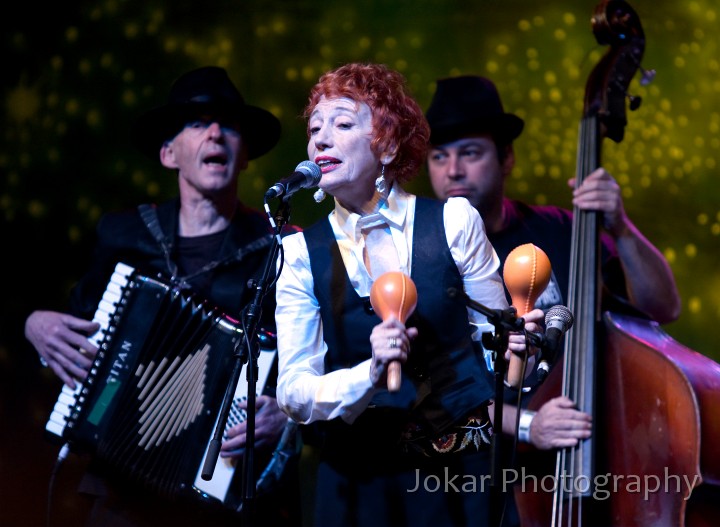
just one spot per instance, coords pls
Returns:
(393, 342)
(82, 351)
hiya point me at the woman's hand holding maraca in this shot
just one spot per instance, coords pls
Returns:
(517, 342)
(393, 296)
(390, 342)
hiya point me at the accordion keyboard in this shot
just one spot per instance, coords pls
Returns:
(69, 397)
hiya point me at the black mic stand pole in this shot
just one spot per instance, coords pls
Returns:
(249, 352)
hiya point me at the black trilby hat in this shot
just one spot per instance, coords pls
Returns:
(469, 104)
(206, 90)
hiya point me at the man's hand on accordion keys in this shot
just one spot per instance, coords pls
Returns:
(63, 343)
(269, 424)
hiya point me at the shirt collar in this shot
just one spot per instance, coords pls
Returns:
(392, 210)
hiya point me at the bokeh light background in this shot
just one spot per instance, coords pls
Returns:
(75, 76)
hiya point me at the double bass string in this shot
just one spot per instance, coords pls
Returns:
(575, 463)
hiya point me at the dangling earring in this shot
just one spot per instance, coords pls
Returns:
(319, 195)
(380, 183)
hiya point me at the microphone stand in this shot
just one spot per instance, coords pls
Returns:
(248, 350)
(504, 320)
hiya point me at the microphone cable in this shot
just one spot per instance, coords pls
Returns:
(62, 454)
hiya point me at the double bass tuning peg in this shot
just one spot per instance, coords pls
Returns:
(635, 102)
(647, 76)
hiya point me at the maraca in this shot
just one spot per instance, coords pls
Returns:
(393, 293)
(526, 274)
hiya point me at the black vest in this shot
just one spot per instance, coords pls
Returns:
(444, 378)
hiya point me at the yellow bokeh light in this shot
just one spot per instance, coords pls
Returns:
(72, 106)
(72, 33)
(670, 255)
(170, 45)
(279, 26)
(74, 233)
(93, 118)
(36, 208)
(308, 73)
(694, 305)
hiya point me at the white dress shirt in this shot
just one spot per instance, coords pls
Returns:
(305, 391)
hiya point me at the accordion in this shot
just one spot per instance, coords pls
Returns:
(150, 403)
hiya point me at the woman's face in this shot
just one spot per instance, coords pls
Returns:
(340, 135)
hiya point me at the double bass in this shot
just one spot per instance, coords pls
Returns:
(652, 459)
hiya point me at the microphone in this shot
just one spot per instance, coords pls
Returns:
(307, 175)
(558, 320)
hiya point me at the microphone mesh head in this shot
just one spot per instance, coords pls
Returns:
(562, 313)
(311, 169)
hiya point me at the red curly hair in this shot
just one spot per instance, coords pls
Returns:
(397, 118)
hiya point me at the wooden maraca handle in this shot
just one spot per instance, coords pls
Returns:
(393, 293)
(526, 274)
(394, 376)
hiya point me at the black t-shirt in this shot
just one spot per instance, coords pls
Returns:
(192, 254)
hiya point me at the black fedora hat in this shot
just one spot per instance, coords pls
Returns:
(469, 104)
(207, 89)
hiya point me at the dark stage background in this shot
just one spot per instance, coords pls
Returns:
(75, 75)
